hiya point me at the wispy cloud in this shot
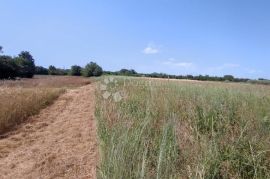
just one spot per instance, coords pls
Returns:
(175, 63)
(150, 49)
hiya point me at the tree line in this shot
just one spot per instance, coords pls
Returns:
(23, 66)
(225, 78)
(91, 69)
(131, 72)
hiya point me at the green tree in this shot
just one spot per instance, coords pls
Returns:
(52, 70)
(92, 69)
(76, 70)
(57, 71)
(8, 67)
(41, 70)
(127, 72)
(26, 64)
(228, 77)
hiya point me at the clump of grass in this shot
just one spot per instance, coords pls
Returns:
(17, 104)
(178, 129)
(130, 139)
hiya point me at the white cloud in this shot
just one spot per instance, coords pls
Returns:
(150, 49)
(174, 63)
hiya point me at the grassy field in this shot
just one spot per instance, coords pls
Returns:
(46, 81)
(21, 99)
(182, 129)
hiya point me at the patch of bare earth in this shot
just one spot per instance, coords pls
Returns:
(60, 142)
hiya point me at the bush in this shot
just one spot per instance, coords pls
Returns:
(41, 70)
(92, 69)
(57, 71)
(52, 70)
(22, 66)
(228, 78)
(127, 72)
(8, 67)
(76, 70)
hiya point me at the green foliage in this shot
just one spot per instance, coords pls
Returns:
(21, 66)
(228, 78)
(76, 70)
(57, 71)
(92, 69)
(52, 70)
(127, 72)
(26, 55)
(8, 67)
(41, 70)
(26, 65)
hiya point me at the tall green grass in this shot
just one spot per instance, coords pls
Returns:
(170, 129)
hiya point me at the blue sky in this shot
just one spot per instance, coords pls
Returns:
(214, 37)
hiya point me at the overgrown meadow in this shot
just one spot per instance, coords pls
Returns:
(182, 129)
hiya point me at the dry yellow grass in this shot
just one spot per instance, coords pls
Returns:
(16, 104)
(47, 82)
(59, 142)
(22, 98)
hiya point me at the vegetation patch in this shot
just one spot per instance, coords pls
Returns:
(17, 104)
(20, 99)
(169, 129)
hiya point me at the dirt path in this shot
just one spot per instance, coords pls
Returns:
(60, 142)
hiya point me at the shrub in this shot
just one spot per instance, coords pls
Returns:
(57, 71)
(52, 70)
(92, 69)
(228, 78)
(8, 67)
(127, 72)
(22, 66)
(41, 70)
(76, 70)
